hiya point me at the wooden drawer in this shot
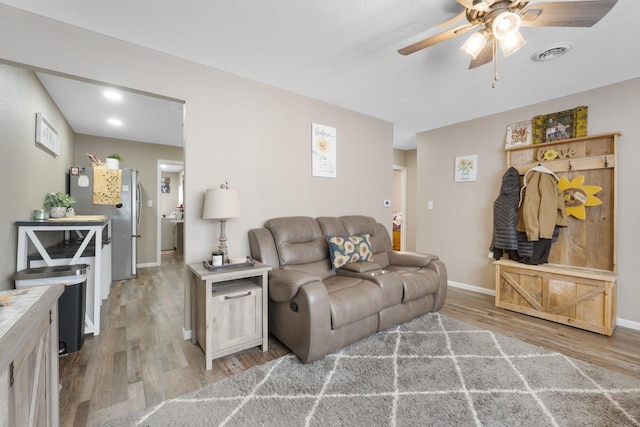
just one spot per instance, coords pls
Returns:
(236, 309)
(582, 298)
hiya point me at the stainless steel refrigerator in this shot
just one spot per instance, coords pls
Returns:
(125, 217)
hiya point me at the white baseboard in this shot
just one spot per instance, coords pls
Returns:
(620, 322)
(472, 288)
(186, 335)
(147, 265)
(628, 324)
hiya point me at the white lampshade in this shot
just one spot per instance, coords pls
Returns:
(506, 25)
(221, 203)
(512, 44)
(474, 44)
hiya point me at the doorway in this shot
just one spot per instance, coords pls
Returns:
(399, 208)
(170, 197)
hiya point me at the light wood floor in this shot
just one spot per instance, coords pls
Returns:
(140, 359)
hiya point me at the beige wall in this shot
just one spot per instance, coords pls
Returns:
(28, 171)
(399, 157)
(144, 158)
(459, 228)
(256, 137)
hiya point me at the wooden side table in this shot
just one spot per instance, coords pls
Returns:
(229, 314)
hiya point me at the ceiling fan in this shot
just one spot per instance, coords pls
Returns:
(500, 21)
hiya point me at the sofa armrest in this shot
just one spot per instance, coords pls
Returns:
(414, 259)
(304, 323)
(284, 284)
(263, 247)
(440, 296)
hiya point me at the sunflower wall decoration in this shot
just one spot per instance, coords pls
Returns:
(578, 196)
(323, 151)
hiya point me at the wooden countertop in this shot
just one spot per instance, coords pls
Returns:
(72, 221)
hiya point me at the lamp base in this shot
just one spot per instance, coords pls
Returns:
(222, 241)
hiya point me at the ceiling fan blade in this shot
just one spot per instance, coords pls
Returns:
(453, 20)
(438, 38)
(468, 4)
(566, 14)
(484, 57)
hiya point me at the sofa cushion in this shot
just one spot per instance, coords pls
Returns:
(347, 249)
(352, 299)
(418, 284)
(300, 245)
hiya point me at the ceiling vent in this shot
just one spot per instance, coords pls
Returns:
(552, 52)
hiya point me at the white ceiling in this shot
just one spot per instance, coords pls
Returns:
(345, 52)
(144, 118)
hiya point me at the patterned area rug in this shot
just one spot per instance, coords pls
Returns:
(432, 371)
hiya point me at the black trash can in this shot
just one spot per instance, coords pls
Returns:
(71, 304)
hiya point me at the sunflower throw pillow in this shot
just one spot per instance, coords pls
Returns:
(344, 250)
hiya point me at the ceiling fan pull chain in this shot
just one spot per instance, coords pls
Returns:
(495, 64)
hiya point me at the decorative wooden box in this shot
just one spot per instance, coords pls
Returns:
(579, 297)
(578, 286)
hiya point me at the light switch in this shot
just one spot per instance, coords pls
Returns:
(430, 204)
(149, 203)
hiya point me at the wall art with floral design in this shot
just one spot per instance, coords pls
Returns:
(466, 168)
(323, 151)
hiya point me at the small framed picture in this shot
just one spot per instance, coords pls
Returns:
(466, 168)
(558, 126)
(47, 136)
(165, 185)
(323, 151)
(518, 134)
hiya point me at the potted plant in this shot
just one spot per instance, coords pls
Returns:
(113, 161)
(57, 203)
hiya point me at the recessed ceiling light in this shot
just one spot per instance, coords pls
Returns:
(552, 52)
(115, 122)
(112, 95)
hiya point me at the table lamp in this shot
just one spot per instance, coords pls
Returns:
(221, 204)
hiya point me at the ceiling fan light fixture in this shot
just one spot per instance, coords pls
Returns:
(474, 44)
(483, 5)
(512, 44)
(506, 25)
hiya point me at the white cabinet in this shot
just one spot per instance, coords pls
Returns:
(167, 235)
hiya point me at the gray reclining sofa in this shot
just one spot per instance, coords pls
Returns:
(316, 309)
